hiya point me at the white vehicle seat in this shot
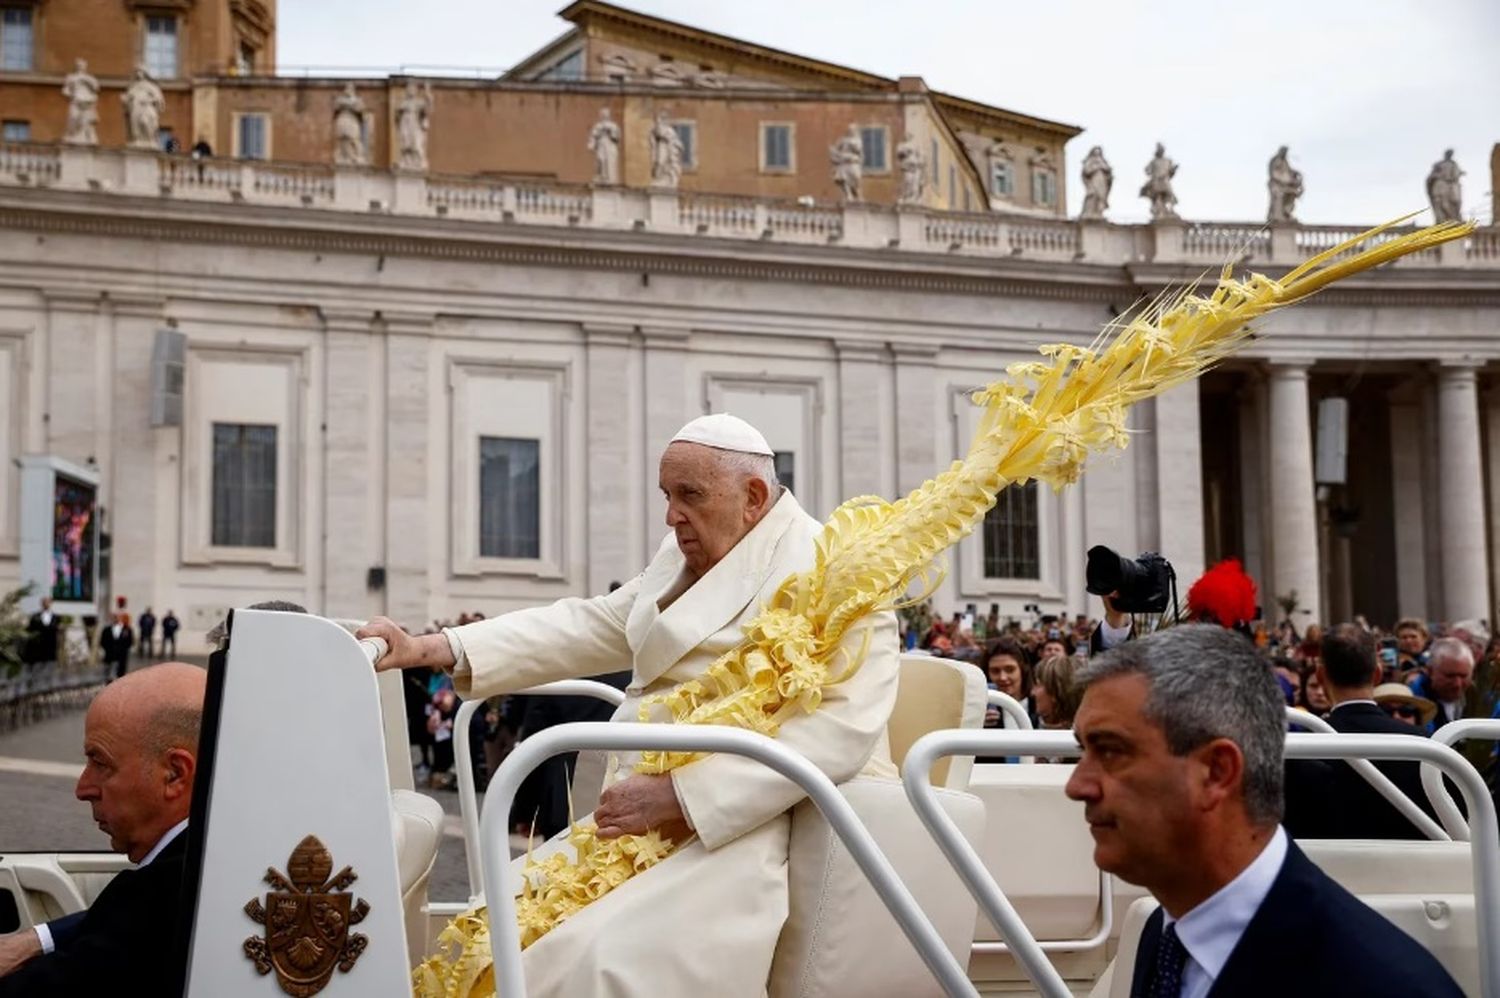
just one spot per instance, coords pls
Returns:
(1424, 888)
(839, 938)
(416, 828)
(1037, 847)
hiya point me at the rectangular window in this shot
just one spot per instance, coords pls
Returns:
(1002, 181)
(786, 469)
(15, 39)
(776, 147)
(952, 185)
(244, 486)
(253, 132)
(687, 131)
(510, 482)
(1010, 535)
(15, 131)
(873, 140)
(569, 67)
(1043, 187)
(935, 164)
(160, 50)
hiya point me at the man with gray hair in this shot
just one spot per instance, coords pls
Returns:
(1447, 679)
(1181, 781)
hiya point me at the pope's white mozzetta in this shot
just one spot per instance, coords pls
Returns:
(725, 432)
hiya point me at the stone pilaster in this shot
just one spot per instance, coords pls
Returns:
(413, 519)
(354, 464)
(916, 415)
(864, 405)
(1179, 481)
(133, 476)
(668, 405)
(1460, 495)
(77, 379)
(1294, 512)
(613, 452)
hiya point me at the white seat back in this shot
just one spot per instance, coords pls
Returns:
(934, 694)
(293, 747)
(839, 937)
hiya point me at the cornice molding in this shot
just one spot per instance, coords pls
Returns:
(557, 247)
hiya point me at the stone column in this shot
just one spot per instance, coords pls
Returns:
(865, 450)
(1294, 511)
(614, 497)
(916, 415)
(1466, 584)
(353, 464)
(1179, 482)
(414, 527)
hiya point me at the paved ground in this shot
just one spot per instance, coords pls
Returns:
(40, 763)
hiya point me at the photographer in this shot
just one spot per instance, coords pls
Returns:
(1144, 585)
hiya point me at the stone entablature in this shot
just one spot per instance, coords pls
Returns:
(856, 225)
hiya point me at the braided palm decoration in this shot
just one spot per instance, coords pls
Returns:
(1040, 422)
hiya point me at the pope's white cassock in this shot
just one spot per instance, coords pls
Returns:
(705, 921)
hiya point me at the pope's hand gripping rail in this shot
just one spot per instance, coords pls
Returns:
(1485, 845)
(502, 881)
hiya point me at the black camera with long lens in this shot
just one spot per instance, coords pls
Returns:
(1144, 584)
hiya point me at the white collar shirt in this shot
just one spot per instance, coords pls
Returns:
(1350, 703)
(46, 618)
(163, 842)
(1212, 930)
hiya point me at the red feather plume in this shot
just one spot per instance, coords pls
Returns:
(1224, 594)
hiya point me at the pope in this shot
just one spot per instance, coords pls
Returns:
(706, 920)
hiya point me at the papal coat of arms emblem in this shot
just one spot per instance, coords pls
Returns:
(307, 919)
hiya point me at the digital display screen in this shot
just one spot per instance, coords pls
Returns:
(74, 540)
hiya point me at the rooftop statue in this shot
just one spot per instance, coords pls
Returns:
(1098, 178)
(1158, 186)
(82, 92)
(1285, 186)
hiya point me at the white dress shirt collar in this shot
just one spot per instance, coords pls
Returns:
(1212, 930)
(1347, 703)
(163, 842)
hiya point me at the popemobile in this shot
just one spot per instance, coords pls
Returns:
(309, 853)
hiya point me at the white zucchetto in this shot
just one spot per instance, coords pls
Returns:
(725, 432)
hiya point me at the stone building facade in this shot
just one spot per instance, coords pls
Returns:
(416, 394)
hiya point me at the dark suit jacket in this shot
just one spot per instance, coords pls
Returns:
(41, 639)
(128, 936)
(116, 649)
(1329, 800)
(1312, 938)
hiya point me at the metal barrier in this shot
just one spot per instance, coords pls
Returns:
(1432, 781)
(1409, 808)
(502, 882)
(1484, 846)
(468, 798)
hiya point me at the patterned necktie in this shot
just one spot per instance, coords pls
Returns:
(1166, 977)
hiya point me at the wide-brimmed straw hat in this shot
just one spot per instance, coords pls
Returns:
(1396, 693)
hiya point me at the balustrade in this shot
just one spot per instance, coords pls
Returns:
(870, 226)
(35, 163)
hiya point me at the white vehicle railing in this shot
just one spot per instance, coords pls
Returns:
(1015, 719)
(502, 881)
(916, 769)
(1011, 708)
(468, 798)
(1410, 809)
(1432, 781)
